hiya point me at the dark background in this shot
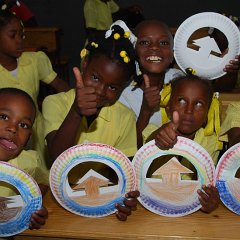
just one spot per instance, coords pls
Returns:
(68, 15)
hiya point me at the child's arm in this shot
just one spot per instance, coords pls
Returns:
(209, 198)
(228, 81)
(83, 105)
(59, 85)
(130, 204)
(151, 100)
(166, 136)
(38, 218)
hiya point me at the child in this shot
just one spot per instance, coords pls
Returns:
(230, 128)
(194, 114)
(24, 70)
(154, 49)
(17, 114)
(91, 113)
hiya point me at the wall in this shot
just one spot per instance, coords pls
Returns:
(68, 15)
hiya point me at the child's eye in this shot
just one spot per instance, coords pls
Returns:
(94, 77)
(164, 42)
(112, 88)
(24, 125)
(143, 42)
(3, 117)
(199, 104)
(181, 101)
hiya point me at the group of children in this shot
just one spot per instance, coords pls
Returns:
(151, 104)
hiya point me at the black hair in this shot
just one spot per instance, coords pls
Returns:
(112, 46)
(6, 17)
(194, 78)
(19, 92)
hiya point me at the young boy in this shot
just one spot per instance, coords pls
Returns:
(17, 115)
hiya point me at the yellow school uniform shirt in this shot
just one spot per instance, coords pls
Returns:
(29, 162)
(231, 120)
(115, 124)
(32, 67)
(98, 14)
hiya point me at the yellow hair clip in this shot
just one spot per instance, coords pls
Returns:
(83, 53)
(127, 34)
(126, 59)
(123, 54)
(190, 71)
(94, 44)
(116, 36)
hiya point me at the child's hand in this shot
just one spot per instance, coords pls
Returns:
(85, 101)
(166, 136)
(38, 218)
(209, 198)
(130, 203)
(151, 95)
(233, 66)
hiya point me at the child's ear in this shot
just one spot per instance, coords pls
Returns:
(84, 64)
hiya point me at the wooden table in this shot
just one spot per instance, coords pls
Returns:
(61, 224)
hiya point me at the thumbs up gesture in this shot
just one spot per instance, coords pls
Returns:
(85, 103)
(151, 95)
(166, 135)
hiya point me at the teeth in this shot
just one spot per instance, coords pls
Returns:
(154, 58)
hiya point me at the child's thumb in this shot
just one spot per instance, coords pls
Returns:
(175, 120)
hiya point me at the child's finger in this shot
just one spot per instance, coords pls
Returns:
(78, 78)
(146, 81)
(175, 120)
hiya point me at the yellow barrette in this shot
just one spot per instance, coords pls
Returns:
(116, 36)
(127, 34)
(94, 44)
(83, 53)
(125, 57)
(190, 71)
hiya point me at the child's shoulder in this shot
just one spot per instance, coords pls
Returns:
(33, 55)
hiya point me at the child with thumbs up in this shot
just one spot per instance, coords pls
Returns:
(90, 112)
(193, 113)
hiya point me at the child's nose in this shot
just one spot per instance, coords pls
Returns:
(101, 90)
(12, 128)
(189, 108)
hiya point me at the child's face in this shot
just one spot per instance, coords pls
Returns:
(107, 77)
(11, 39)
(154, 47)
(191, 102)
(16, 120)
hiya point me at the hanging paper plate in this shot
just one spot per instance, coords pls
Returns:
(227, 184)
(207, 61)
(16, 211)
(170, 195)
(93, 195)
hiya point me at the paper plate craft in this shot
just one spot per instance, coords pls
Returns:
(205, 58)
(227, 184)
(93, 194)
(168, 194)
(16, 211)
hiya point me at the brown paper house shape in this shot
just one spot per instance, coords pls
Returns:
(91, 182)
(171, 171)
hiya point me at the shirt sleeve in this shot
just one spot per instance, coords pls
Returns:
(231, 120)
(90, 15)
(114, 7)
(44, 67)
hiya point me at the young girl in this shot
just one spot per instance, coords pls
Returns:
(154, 48)
(194, 114)
(91, 113)
(17, 114)
(24, 70)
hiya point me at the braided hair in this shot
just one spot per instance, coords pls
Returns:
(117, 47)
(6, 17)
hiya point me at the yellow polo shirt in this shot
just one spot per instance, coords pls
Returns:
(29, 162)
(98, 14)
(231, 120)
(115, 125)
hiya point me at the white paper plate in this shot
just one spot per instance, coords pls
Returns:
(205, 65)
(228, 185)
(162, 198)
(83, 202)
(31, 197)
